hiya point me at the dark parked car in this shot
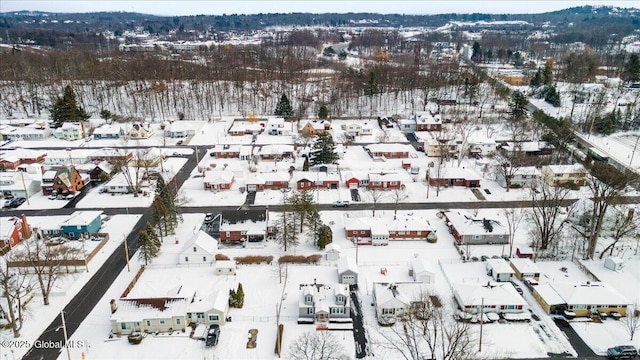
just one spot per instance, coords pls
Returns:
(16, 202)
(212, 335)
(622, 352)
(208, 218)
(518, 288)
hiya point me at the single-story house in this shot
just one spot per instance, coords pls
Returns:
(557, 175)
(12, 159)
(107, 131)
(225, 151)
(526, 148)
(523, 177)
(468, 229)
(524, 268)
(422, 272)
(364, 229)
(389, 150)
(453, 177)
(211, 308)
(385, 181)
(333, 251)
(276, 151)
(111, 155)
(497, 298)
(240, 127)
(324, 303)
(81, 223)
(199, 249)
(354, 180)
(266, 181)
(243, 231)
(583, 299)
(178, 130)
(149, 315)
(347, 270)
(16, 182)
(499, 270)
(218, 179)
(316, 180)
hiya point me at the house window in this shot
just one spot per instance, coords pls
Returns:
(338, 310)
(228, 234)
(177, 321)
(388, 311)
(204, 259)
(362, 232)
(243, 233)
(476, 237)
(559, 175)
(148, 322)
(125, 326)
(195, 249)
(309, 311)
(400, 232)
(161, 322)
(308, 298)
(339, 298)
(214, 317)
(186, 259)
(200, 315)
(393, 183)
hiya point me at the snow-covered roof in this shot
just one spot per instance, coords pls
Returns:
(500, 266)
(590, 293)
(262, 178)
(218, 177)
(525, 265)
(276, 149)
(347, 263)
(251, 227)
(106, 129)
(405, 292)
(202, 240)
(332, 247)
(316, 176)
(420, 266)
(567, 169)
(466, 224)
(130, 310)
(83, 217)
(226, 148)
(456, 173)
(225, 264)
(474, 294)
(384, 177)
(389, 148)
(217, 300)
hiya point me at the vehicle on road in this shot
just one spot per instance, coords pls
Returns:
(622, 352)
(208, 218)
(340, 203)
(16, 202)
(212, 335)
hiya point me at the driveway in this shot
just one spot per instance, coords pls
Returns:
(359, 334)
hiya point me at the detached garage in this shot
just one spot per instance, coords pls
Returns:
(347, 271)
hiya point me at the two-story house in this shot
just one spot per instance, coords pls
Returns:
(322, 303)
(199, 249)
(70, 131)
(63, 180)
(558, 175)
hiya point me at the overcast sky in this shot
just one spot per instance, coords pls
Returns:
(266, 6)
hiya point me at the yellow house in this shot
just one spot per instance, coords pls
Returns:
(556, 175)
(583, 299)
(525, 268)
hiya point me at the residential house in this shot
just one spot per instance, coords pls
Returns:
(70, 131)
(393, 300)
(241, 127)
(13, 230)
(354, 129)
(447, 99)
(246, 152)
(107, 131)
(354, 180)
(496, 298)
(111, 155)
(324, 303)
(380, 230)
(357, 228)
(178, 130)
(267, 181)
(155, 314)
(218, 179)
(583, 299)
(12, 159)
(379, 235)
(407, 125)
(225, 151)
(314, 127)
(199, 249)
(28, 132)
(100, 171)
(252, 231)
(276, 151)
(452, 176)
(211, 308)
(277, 126)
(427, 121)
(384, 181)
(523, 177)
(524, 268)
(589, 93)
(119, 184)
(499, 270)
(63, 180)
(440, 147)
(225, 267)
(473, 230)
(139, 131)
(421, 271)
(81, 224)
(559, 175)
(67, 157)
(526, 148)
(19, 183)
(347, 271)
(389, 150)
(482, 146)
(316, 180)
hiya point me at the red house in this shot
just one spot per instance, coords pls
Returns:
(384, 181)
(251, 231)
(62, 180)
(358, 228)
(389, 150)
(218, 180)
(316, 180)
(454, 177)
(265, 181)
(14, 158)
(225, 151)
(13, 230)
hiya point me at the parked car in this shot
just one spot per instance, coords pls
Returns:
(340, 203)
(179, 142)
(622, 352)
(212, 335)
(420, 148)
(208, 218)
(518, 288)
(16, 202)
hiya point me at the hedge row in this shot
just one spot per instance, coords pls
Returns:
(299, 259)
(253, 259)
(221, 257)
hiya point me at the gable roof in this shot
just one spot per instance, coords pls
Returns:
(420, 265)
(491, 294)
(500, 266)
(590, 293)
(203, 241)
(347, 263)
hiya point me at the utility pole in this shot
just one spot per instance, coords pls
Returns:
(126, 253)
(24, 186)
(481, 322)
(64, 332)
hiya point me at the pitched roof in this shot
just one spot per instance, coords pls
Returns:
(202, 240)
(590, 293)
(347, 263)
(491, 294)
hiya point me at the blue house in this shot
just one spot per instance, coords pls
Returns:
(81, 223)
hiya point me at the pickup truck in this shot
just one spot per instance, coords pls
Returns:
(340, 203)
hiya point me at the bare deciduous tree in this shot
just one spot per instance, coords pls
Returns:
(318, 345)
(624, 224)
(545, 214)
(514, 217)
(631, 322)
(17, 291)
(375, 196)
(398, 195)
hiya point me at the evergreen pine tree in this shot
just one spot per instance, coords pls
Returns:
(66, 109)
(547, 73)
(324, 150)
(283, 108)
(323, 113)
(233, 298)
(159, 213)
(239, 296)
(518, 106)
(168, 196)
(148, 244)
(536, 80)
(325, 236)
(476, 53)
(551, 95)
(305, 166)
(632, 69)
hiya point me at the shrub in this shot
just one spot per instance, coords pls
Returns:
(253, 259)
(222, 257)
(299, 259)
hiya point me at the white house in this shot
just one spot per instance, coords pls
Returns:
(69, 131)
(496, 298)
(393, 300)
(226, 267)
(422, 272)
(499, 270)
(347, 271)
(333, 251)
(277, 126)
(199, 249)
(211, 308)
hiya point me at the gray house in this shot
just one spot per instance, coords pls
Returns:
(347, 270)
(322, 304)
(499, 270)
(481, 228)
